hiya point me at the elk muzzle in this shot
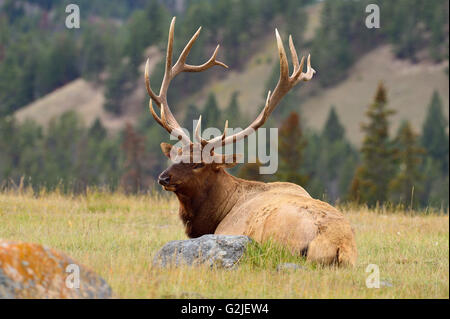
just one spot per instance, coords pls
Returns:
(164, 179)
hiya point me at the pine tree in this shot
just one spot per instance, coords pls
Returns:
(232, 112)
(145, 28)
(333, 129)
(95, 48)
(334, 33)
(435, 185)
(330, 159)
(97, 131)
(62, 151)
(191, 115)
(408, 181)
(372, 178)
(291, 147)
(211, 113)
(117, 87)
(133, 145)
(434, 137)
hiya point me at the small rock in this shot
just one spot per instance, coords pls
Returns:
(385, 283)
(30, 270)
(212, 250)
(289, 266)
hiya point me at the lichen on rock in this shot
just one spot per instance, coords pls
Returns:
(29, 270)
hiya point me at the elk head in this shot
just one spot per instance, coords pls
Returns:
(196, 164)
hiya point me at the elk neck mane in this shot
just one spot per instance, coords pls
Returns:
(202, 209)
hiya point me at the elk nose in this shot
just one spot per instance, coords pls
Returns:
(164, 179)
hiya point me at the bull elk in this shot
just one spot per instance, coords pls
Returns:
(214, 202)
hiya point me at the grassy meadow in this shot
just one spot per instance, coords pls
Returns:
(117, 235)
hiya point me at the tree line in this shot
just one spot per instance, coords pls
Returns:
(36, 57)
(409, 169)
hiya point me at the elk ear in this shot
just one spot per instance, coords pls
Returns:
(166, 148)
(230, 160)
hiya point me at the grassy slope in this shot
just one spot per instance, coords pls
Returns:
(77, 95)
(88, 99)
(117, 236)
(409, 90)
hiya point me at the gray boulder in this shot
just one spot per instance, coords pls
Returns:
(213, 250)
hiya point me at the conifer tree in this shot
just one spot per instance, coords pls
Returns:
(291, 148)
(97, 131)
(408, 181)
(211, 113)
(232, 112)
(191, 115)
(333, 129)
(434, 137)
(117, 87)
(370, 184)
(133, 146)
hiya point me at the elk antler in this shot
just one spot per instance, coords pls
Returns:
(166, 118)
(285, 83)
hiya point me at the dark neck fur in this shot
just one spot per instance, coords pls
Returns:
(202, 211)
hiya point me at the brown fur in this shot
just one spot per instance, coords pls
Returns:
(213, 201)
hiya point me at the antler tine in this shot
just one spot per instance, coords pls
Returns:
(298, 68)
(187, 49)
(285, 83)
(147, 84)
(293, 55)
(155, 116)
(210, 63)
(176, 131)
(198, 137)
(181, 65)
(258, 122)
(204, 142)
(170, 45)
(166, 119)
(225, 131)
(302, 62)
(309, 70)
(168, 72)
(284, 67)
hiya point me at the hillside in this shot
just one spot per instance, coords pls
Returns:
(409, 89)
(87, 99)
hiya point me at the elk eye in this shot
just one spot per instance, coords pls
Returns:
(198, 165)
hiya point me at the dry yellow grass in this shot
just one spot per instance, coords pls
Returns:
(117, 236)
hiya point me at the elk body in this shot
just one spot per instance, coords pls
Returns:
(214, 202)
